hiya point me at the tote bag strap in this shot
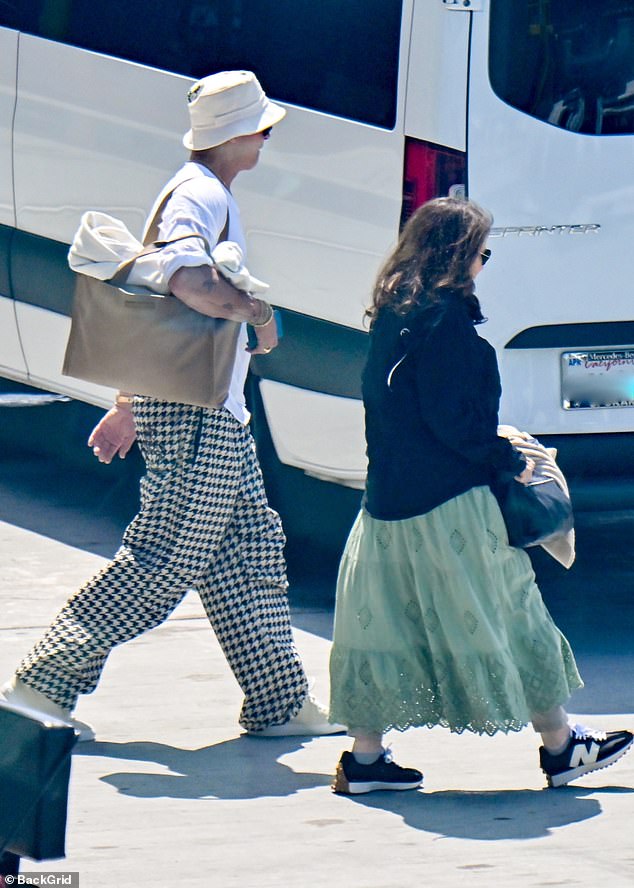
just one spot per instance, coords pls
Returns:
(152, 232)
(120, 276)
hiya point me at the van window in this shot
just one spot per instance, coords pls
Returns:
(569, 64)
(329, 56)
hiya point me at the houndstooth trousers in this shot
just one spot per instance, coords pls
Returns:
(204, 524)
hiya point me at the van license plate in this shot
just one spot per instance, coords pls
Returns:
(591, 379)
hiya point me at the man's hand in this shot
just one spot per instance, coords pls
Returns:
(267, 338)
(114, 433)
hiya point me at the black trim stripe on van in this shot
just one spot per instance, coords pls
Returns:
(592, 335)
(5, 249)
(39, 272)
(317, 355)
(313, 354)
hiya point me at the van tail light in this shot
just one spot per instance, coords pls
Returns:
(431, 171)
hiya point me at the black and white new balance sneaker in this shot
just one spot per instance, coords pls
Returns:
(353, 778)
(586, 751)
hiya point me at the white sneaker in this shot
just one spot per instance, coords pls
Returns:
(310, 721)
(19, 696)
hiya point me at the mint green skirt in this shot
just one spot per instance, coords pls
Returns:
(439, 621)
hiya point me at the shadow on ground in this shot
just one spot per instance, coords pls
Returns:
(493, 815)
(202, 773)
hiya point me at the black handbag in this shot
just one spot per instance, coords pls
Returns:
(534, 513)
(35, 759)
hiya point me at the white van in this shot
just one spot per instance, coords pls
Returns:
(527, 107)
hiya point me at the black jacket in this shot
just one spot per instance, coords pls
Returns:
(431, 390)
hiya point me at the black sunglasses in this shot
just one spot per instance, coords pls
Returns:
(265, 133)
(485, 255)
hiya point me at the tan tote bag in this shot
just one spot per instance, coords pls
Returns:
(148, 343)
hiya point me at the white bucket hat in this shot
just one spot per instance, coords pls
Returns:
(225, 105)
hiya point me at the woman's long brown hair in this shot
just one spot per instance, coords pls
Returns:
(435, 252)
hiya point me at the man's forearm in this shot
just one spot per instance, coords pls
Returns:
(204, 290)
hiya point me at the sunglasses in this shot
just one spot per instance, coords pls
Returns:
(265, 133)
(485, 255)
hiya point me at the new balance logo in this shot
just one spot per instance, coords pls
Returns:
(583, 756)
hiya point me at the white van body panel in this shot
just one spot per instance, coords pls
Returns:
(437, 77)
(8, 71)
(515, 170)
(95, 133)
(334, 196)
(11, 358)
(321, 434)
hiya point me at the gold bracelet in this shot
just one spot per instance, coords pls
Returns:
(268, 319)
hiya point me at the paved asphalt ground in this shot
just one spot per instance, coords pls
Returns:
(173, 794)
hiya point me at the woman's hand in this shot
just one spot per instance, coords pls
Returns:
(114, 433)
(527, 474)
